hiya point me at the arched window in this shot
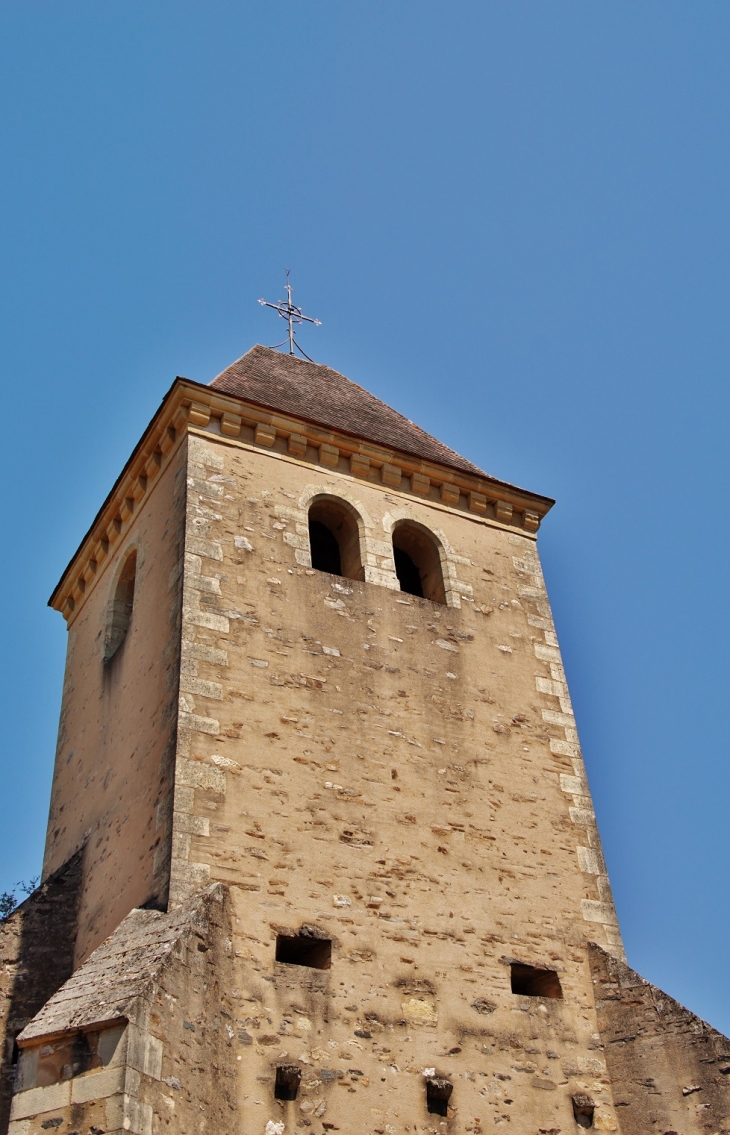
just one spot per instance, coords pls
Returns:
(418, 562)
(334, 538)
(120, 608)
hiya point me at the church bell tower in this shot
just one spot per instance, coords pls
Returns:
(335, 862)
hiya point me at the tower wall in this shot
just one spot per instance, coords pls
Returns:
(114, 760)
(400, 776)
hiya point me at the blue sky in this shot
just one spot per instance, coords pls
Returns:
(512, 220)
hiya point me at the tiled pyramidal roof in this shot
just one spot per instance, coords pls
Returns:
(322, 395)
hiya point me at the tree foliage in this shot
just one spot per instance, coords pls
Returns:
(9, 900)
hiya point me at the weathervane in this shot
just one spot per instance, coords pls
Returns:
(293, 315)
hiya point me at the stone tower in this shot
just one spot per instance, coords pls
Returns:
(321, 854)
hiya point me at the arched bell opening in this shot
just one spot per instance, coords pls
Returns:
(334, 538)
(418, 562)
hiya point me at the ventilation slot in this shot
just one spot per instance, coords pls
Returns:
(304, 950)
(438, 1093)
(288, 1077)
(531, 982)
(583, 1109)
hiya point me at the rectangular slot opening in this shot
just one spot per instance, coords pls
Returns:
(438, 1092)
(288, 1077)
(532, 982)
(583, 1109)
(303, 950)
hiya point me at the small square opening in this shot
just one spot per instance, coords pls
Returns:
(583, 1109)
(532, 982)
(304, 950)
(288, 1078)
(438, 1093)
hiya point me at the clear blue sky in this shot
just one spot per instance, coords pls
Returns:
(512, 218)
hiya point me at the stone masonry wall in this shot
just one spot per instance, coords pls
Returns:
(404, 778)
(36, 956)
(173, 1068)
(670, 1071)
(112, 787)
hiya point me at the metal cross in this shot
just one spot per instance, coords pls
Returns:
(293, 315)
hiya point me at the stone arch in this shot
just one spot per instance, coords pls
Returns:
(121, 604)
(335, 536)
(418, 559)
(401, 520)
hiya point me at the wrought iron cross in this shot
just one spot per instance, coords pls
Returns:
(293, 315)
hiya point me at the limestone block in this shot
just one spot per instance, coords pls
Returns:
(209, 620)
(198, 724)
(195, 774)
(198, 414)
(359, 465)
(503, 511)
(478, 503)
(450, 494)
(265, 435)
(574, 785)
(230, 424)
(206, 689)
(204, 453)
(547, 653)
(530, 521)
(204, 653)
(588, 860)
(144, 1052)
(97, 1085)
(37, 1100)
(598, 911)
(190, 824)
(167, 439)
(585, 816)
(564, 748)
(391, 475)
(297, 445)
(420, 484)
(329, 455)
(209, 548)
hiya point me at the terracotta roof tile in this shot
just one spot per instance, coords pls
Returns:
(322, 395)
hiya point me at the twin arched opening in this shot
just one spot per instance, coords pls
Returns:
(335, 547)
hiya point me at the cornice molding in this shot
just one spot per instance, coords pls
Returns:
(191, 407)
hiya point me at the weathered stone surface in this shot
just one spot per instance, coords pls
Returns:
(169, 977)
(36, 956)
(114, 760)
(669, 1070)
